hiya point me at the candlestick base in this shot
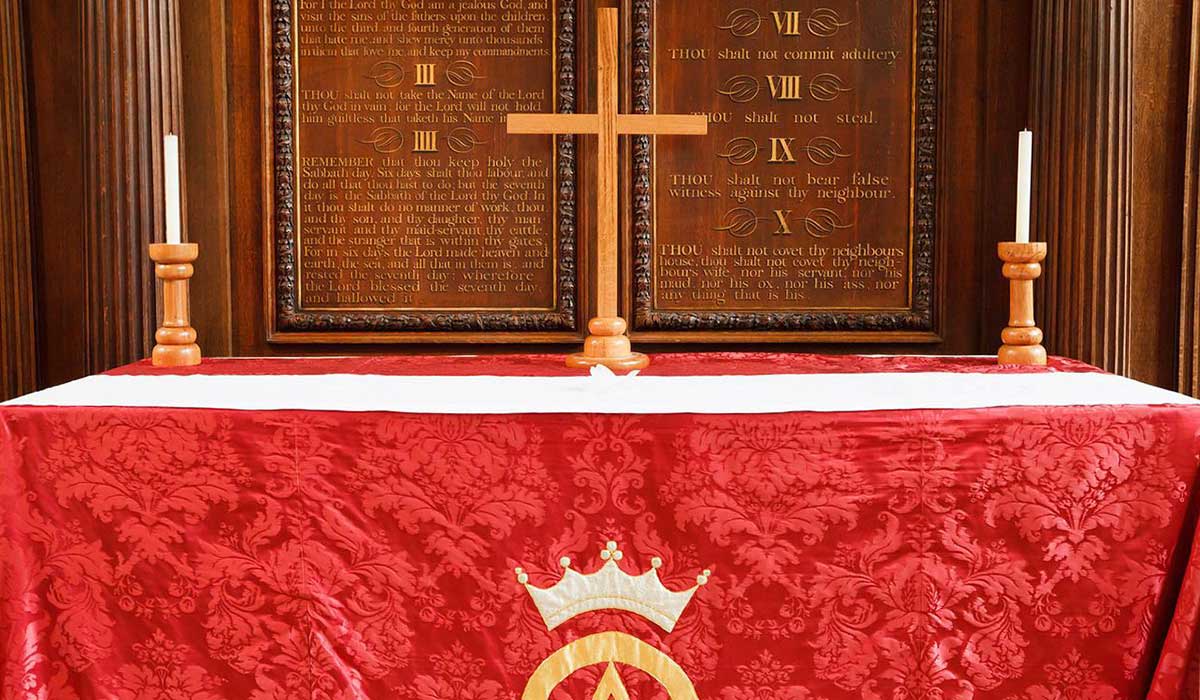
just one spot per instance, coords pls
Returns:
(1022, 339)
(608, 346)
(176, 338)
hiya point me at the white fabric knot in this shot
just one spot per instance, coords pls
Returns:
(604, 373)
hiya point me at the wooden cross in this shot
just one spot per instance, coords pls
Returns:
(608, 343)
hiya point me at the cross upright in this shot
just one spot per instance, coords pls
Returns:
(608, 343)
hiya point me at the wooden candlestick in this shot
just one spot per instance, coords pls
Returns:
(176, 337)
(1022, 338)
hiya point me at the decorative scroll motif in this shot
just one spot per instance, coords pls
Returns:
(289, 316)
(919, 317)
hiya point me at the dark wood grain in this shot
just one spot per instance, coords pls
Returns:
(1124, 297)
(1188, 379)
(18, 356)
(105, 83)
(57, 115)
(1160, 36)
(1109, 105)
(131, 78)
(984, 69)
(205, 107)
(1083, 118)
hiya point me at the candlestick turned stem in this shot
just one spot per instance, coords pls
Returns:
(176, 337)
(1022, 338)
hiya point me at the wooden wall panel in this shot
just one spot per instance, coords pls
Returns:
(205, 103)
(131, 57)
(1160, 41)
(18, 369)
(56, 115)
(1189, 314)
(1083, 118)
(1113, 86)
(105, 80)
(1109, 107)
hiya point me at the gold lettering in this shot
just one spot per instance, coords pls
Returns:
(781, 150)
(426, 76)
(425, 142)
(785, 87)
(785, 226)
(787, 22)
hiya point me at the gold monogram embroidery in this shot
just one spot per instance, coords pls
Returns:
(610, 588)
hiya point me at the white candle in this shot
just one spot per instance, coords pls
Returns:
(1024, 185)
(171, 185)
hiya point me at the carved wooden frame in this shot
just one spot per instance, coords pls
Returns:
(288, 323)
(916, 323)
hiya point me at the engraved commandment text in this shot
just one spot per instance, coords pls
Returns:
(409, 193)
(800, 197)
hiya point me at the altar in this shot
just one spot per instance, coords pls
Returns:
(734, 526)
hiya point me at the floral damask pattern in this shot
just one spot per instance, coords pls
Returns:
(1020, 554)
(163, 672)
(766, 488)
(458, 482)
(151, 476)
(1074, 677)
(941, 622)
(455, 674)
(1077, 485)
(766, 678)
(607, 463)
(461, 484)
(301, 597)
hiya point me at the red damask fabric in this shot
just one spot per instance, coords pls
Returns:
(1015, 554)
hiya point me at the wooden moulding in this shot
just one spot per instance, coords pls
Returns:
(176, 338)
(1022, 339)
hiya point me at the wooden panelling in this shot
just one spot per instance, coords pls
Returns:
(131, 88)
(1109, 107)
(57, 120)
(1083, 121)
(1161, 37)
(1189, 315)
(206, 113)
(104, 86)
(808, 211)
(1108, 86)
(18, 369)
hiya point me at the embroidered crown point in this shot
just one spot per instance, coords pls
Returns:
(565, 562)
(522, 577)
(610, 588)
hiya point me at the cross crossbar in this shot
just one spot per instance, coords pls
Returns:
(609, 347)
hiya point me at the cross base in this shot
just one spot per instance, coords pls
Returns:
(608, 346)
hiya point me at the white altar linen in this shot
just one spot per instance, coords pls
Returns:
(764, 394)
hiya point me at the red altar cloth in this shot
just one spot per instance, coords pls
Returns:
(1023, 553)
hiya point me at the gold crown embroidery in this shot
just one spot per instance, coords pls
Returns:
(610, 588)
